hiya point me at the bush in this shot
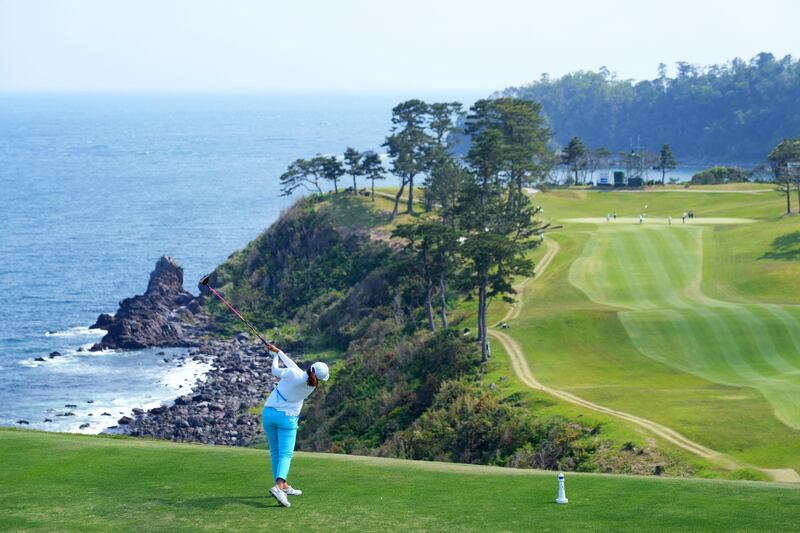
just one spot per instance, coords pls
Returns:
(471, 424)
(720, 175)
(387, 380)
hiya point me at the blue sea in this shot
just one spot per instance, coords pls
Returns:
(96, 187)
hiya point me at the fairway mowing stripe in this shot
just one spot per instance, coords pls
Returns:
(759, 343)
(634, 323)
(667, 292)
(630, 279)
(729, 348)
(681, 258)
(584, 266)
(763, 338)
(651, 278)
(789, 322)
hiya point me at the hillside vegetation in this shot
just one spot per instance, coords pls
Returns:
(398, 389)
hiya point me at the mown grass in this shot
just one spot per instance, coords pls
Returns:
(83, 483)
(583, 345)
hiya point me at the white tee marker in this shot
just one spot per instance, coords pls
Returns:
(562, 495)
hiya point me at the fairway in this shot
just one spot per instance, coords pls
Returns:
(72, 482)
(692, 327)
(655, 273)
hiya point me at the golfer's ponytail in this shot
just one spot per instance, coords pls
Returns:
(313, 380)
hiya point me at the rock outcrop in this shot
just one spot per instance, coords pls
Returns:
(153, 318)
(219, 409)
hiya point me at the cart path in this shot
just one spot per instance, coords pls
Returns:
(523, 371)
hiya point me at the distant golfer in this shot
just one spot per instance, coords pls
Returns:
(281, 413)
(669, 219)
(641, 218)
(615, 215)
(608, 217)
(683, 218)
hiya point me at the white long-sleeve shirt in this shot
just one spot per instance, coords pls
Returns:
(292, 389)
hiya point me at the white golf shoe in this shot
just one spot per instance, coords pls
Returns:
(279, 495)
(292, 492)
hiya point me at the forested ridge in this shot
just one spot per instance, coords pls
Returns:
(735, 112)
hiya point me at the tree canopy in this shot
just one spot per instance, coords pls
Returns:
(733, 112)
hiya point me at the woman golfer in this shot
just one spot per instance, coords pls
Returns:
(281, 413)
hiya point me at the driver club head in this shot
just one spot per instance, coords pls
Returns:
(204, 281)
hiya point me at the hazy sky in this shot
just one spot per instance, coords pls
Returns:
(370, 45)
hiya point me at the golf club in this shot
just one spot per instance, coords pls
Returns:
(269, 346)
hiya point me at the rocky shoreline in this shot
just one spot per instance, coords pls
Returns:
(219, 410)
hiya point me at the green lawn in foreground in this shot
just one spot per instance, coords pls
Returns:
(607, 351)
(72, 482)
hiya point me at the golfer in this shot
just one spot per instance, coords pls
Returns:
(281, 413)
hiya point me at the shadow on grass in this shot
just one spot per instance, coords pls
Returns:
(218, 502)
(785, 248)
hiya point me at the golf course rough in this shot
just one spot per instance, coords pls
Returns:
(653, 273)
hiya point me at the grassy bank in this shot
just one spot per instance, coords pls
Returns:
(71, 482)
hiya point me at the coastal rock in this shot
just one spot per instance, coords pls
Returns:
(41, 359)
(149, 319)
(55, 354)
(23, 422)
(183, 400)
(104, 321)
(83, 426)
(217, 410)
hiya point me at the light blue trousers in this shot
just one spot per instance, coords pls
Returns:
(281, 430)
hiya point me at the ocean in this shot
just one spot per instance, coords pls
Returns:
(96, 187)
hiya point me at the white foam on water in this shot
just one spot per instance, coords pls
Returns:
(67, 357)
(154, 382)
(79, 331)
(183, 378)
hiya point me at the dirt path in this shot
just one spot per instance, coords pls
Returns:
(520, 366)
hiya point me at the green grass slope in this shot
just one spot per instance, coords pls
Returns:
(71, 482)
(655, 273)
(694, 327)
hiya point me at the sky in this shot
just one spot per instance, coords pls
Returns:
(376, 45)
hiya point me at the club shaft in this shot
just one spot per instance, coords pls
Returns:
(243, 319)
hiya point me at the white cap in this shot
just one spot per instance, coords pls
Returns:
(321, 370)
